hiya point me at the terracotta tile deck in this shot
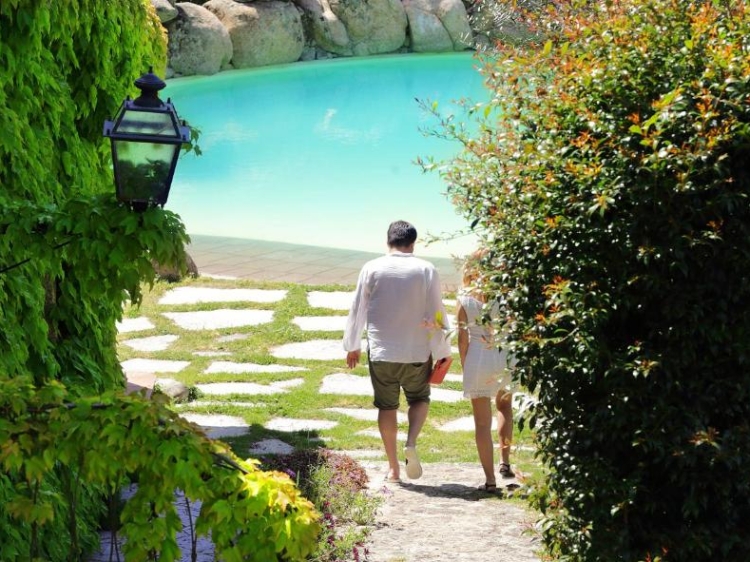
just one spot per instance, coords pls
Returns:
(261, 260)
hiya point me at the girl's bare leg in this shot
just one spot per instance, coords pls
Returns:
(483, 436)
(503, 401)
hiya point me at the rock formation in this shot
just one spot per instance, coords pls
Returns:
(221, 34)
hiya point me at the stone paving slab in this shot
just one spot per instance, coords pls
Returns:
(323, 350)
(223, 388)
(320, 323)
(139, 324)
(271, 447)
(365, 414)
(232, 367)
(217, 426)
(335, 300)
(194, 295)
(154, 343)
(153, 366)
(375, 434)
(216, 319)
(290, 424)
(346, 383)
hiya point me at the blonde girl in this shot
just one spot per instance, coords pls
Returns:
(485, 375)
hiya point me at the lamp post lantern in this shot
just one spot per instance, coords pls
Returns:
(146, 136)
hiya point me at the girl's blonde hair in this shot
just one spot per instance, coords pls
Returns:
(471, 268)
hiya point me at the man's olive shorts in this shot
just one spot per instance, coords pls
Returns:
(388, 378)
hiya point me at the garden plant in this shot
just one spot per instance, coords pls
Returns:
(70, 258)
(609, 180)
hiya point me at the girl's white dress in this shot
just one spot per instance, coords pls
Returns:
(485, 367)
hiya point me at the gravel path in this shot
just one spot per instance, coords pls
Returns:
(442, 517)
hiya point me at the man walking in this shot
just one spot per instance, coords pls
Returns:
(399, 301)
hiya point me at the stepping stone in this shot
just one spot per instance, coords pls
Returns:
(291, 383)
(289, 424)
(212, 353)
(155, 343)
(363, 454)
(193, 295)
(451, 377)
(324, 350)
(231, 367)
(153, 366)
(464, 424)
(400, 436)
(370, 414)
(450, 304)
(438, 394)
(345, 383)
(216, 319)
(217, 426)
(271, 447)
(336, 300)
(219, 388)
(348, 384)
(232, 337)
(134, 325)
(214, 403)
(321, 323)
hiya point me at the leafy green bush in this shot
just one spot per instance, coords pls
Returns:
(70, 257)
(609, 178)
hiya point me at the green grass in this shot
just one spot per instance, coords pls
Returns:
(303, 401)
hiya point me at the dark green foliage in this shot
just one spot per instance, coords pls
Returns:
(64, 68)
(610, 179)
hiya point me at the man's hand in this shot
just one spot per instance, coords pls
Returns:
(352, 358)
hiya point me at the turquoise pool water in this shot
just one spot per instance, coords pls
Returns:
(322, 153)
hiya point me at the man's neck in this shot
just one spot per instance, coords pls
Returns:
(402, 249)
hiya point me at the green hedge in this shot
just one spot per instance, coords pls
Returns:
(609, 178)
(70, 256)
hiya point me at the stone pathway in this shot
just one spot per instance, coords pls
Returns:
(442, 517)
(439, 517)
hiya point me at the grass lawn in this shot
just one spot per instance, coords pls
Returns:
(253, 344)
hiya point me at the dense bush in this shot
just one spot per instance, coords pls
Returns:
(70, 256)
(609, 178)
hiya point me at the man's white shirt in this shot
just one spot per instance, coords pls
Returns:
(399, 301)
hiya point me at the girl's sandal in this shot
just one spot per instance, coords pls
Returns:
(488, 488)
(505, 471)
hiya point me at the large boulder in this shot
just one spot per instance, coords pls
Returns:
(198, 42)
(438, 25)
(324, 29)
(165, 10)
(262, 33)
(374, 27)
(354, 27)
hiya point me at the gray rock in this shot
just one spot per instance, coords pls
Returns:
(374, 27)
(198, 42)
(262, 33)
(165, 9)
(438, 25)
(177, 391)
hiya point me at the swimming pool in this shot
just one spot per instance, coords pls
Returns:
(321, 153)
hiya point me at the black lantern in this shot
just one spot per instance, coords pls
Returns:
(146, 137)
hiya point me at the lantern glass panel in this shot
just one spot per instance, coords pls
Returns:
(146, 123)
(143, 169)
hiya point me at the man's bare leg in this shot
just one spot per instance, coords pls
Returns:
(417, 416)
(388, 426)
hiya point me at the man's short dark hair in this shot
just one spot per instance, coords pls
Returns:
(401, 234)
